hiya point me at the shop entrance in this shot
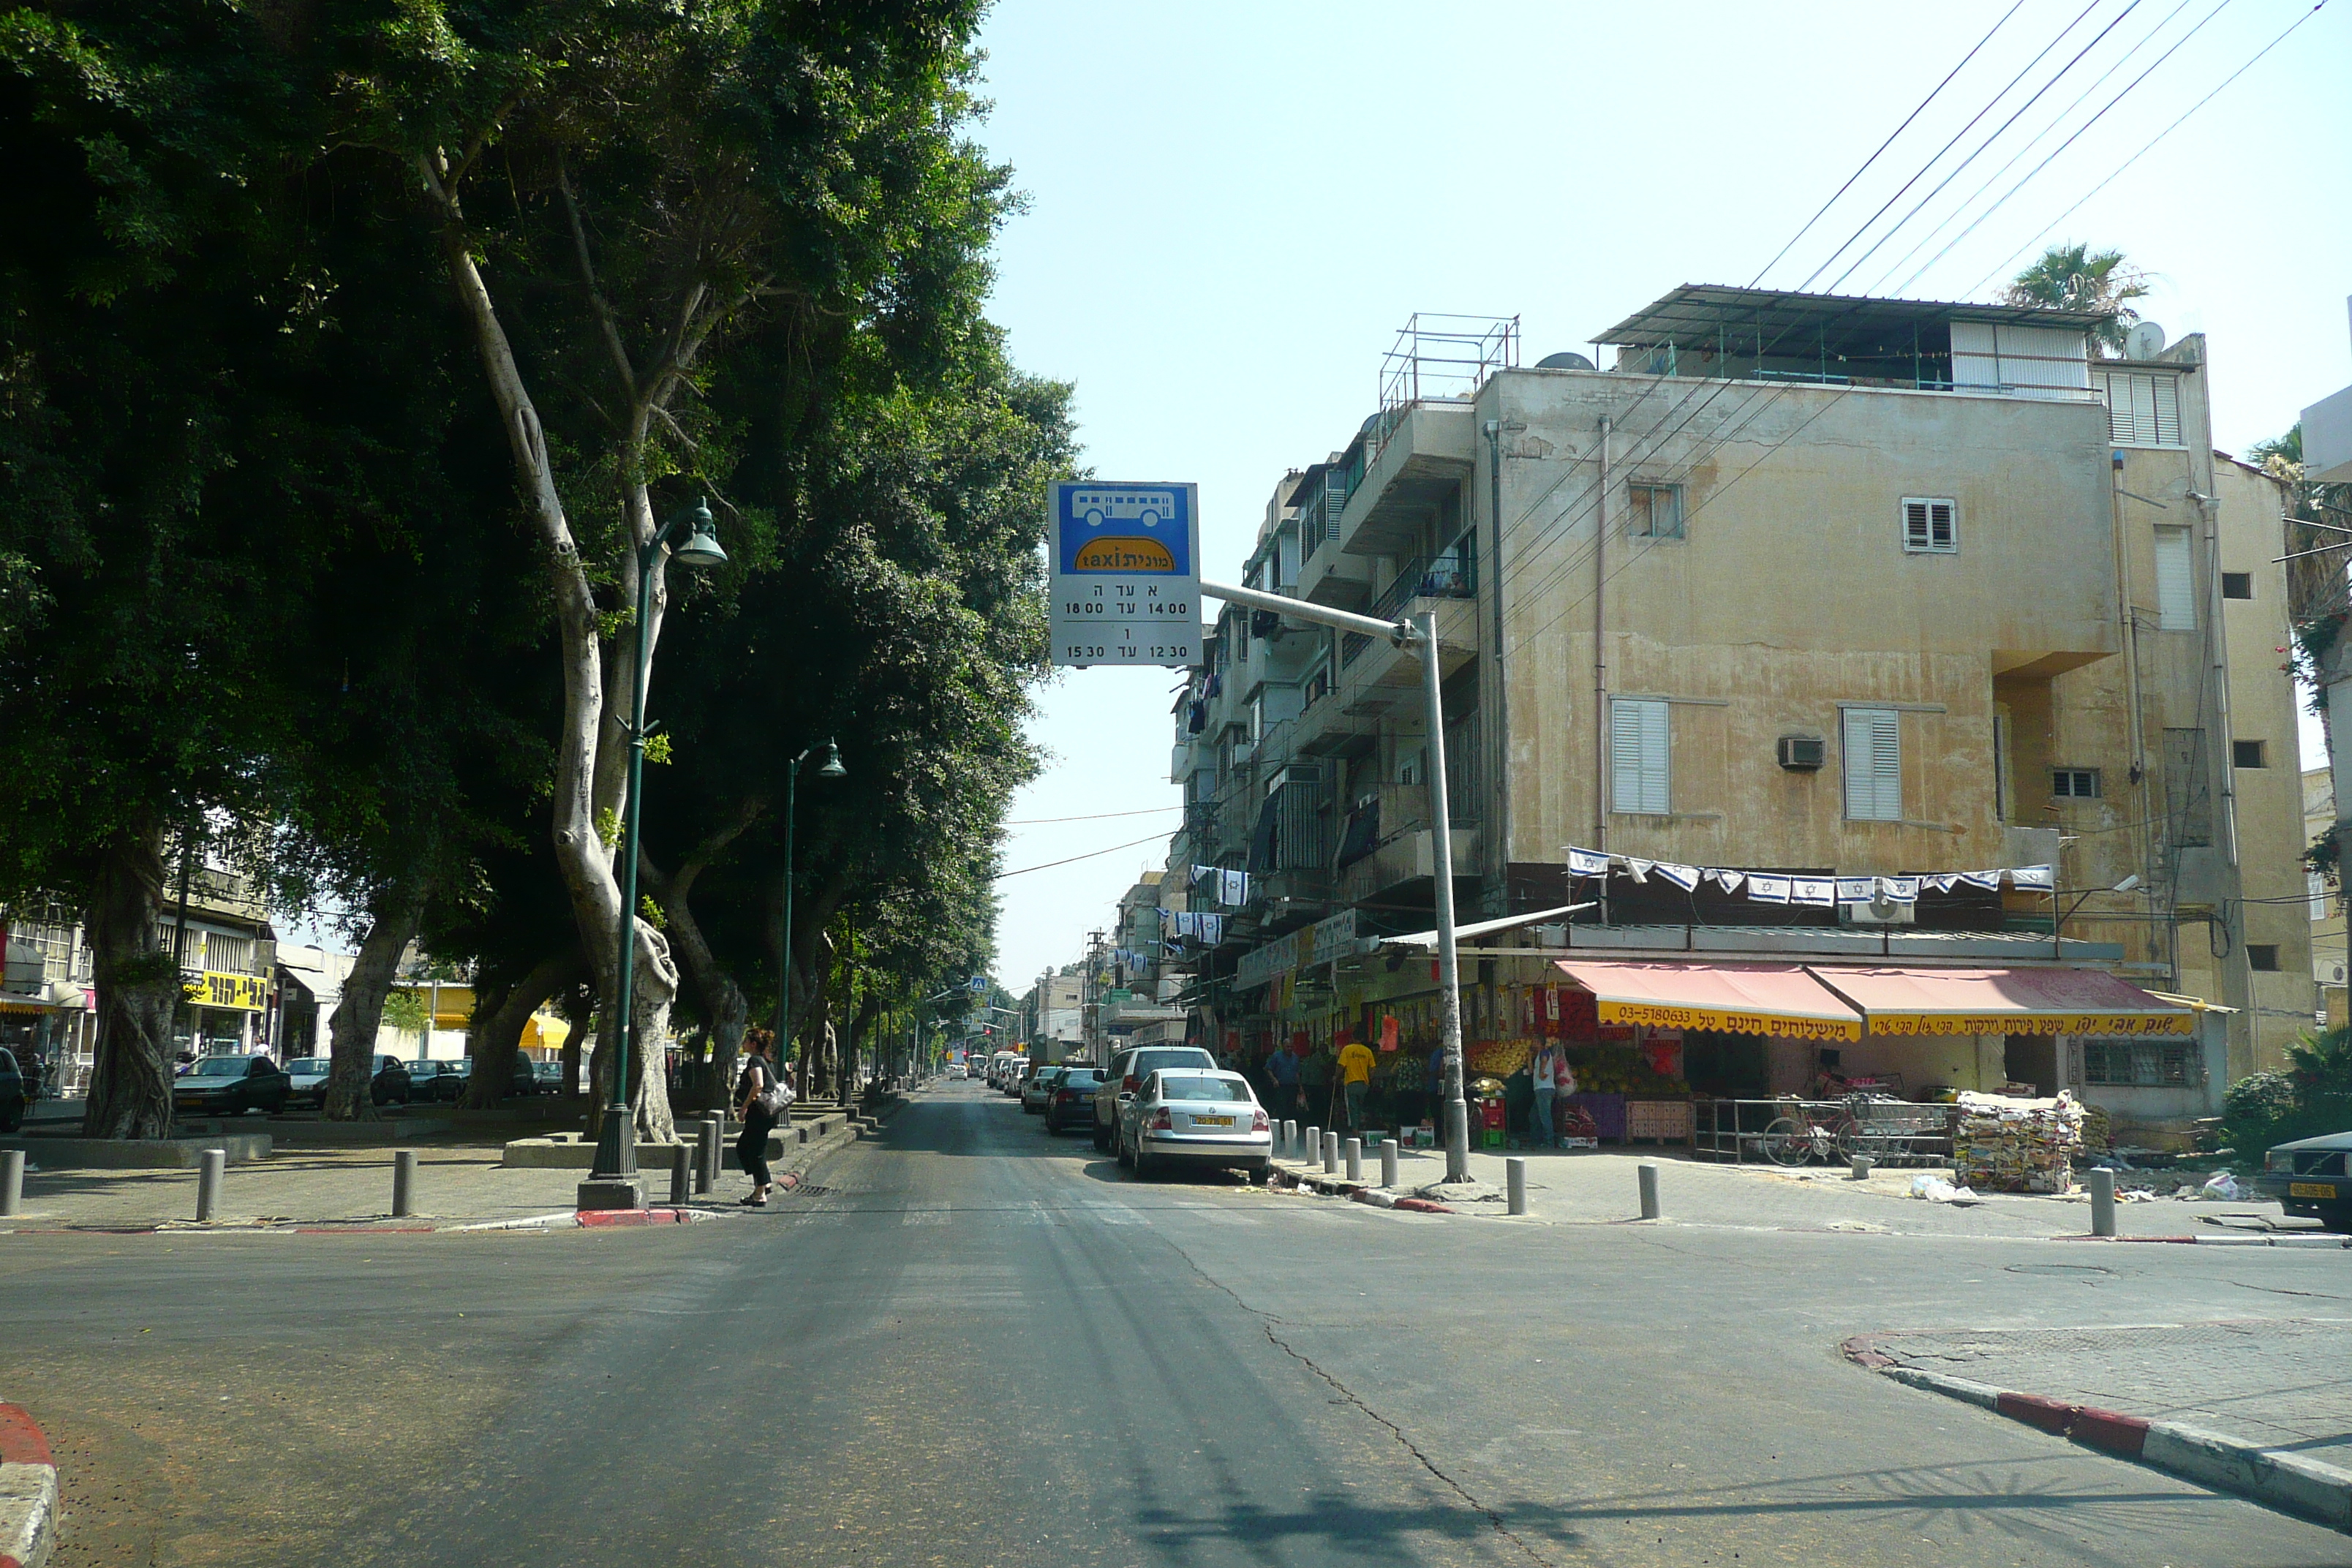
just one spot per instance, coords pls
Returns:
(2033, 1058)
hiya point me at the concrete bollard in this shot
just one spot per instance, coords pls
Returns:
(1861, 1167)
(1330, 1153)
(404, 1183)
(1310, 1147)
(209, 1165)
(1515, 1184)
(1388, 1162)
(1355, 1152)
(681, 1172)
(707, 1178)
(2103, 1201)
(12, 1182)
(1290, 1140)
(1647, 1174)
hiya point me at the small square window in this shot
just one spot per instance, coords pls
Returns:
(2074, 783)
(2247, 755)
(2262, 955)
(1930, 526)
(1653, 511)
(2237, 584)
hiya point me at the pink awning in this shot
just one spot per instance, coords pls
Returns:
(1742, 998)
(1910, 1001)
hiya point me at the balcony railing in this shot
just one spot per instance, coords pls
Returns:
(1451, 574)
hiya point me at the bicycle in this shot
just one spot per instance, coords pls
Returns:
(1804, 1136)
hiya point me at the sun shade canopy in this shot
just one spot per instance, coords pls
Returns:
(2005, 1002)
(1742, 998)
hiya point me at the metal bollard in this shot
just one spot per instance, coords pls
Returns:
(681, 1172)
(1861, 1167)
(1647, 1174)
(209, 1164)
(2103, 1201)
(1515, 1184)
(1330, 1153)
(12, 1182)
(708, 1177)
(1388, 1162)
(1290, 1140)
(404, 1183)
(1355, 1154)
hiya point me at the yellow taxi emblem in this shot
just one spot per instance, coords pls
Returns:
(1124, 555)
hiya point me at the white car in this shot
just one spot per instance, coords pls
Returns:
(1195, 1116)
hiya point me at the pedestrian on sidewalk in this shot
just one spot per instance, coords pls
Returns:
(1356, 1064)
(762, 1100)
(1545, 1131)
(1281, 1079)
(1314, 1079)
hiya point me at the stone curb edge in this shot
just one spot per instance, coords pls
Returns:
(1306, 1175)
(2286, 1481)
(28, 1491)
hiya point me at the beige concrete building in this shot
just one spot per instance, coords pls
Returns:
(1811, 586)
(2328, 941)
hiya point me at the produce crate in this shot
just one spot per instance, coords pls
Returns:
(1657, 1121)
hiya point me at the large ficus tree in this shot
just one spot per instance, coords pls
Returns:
(621, 192)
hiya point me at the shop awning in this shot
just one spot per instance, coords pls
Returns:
(1743, 999)
(2054, 1001)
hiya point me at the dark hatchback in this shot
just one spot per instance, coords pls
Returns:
(232, 1086)
(12, 1093)
(1072, 1103)
(2310, 1177)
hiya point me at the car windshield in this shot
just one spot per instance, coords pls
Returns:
(1086, 1080)
(310, 1067)
(220, 1067)
(1224, 1088)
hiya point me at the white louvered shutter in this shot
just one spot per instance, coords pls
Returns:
(2176, 595)
(1874, 764)
(1930, 526)
(1638, 736)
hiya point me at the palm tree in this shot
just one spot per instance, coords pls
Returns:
(2076, 277)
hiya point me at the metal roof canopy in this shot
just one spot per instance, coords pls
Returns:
(1693, 315)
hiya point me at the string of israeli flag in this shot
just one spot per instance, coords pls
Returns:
(1822, 893)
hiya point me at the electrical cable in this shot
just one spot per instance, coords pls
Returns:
(1883, 146)
(1097, 816)
(2117, 172)
(1089, 854)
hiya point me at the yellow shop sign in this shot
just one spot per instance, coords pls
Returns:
(246, 993)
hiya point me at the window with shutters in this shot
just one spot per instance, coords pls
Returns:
(2175, 589)
(1638, 738)
(1930, 526)
(2143, 407)
(1653, 511)
(1874, 764)
(2074, 783)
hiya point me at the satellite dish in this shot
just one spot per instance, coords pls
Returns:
(1564, 362)
(2146, 341)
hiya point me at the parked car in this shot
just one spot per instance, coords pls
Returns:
(2312, 1178)
(1128, 1072)
(434, 1082)
(232, 1086)
(389, 1085)
(309, 1077)
(549, 1076)
(1016, 1073)
(1040, 1088)
(12, 1093)
(1192, 1116)
(1072, 1103)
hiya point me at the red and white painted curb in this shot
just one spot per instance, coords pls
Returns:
(2286, 1481)
(28, 1491)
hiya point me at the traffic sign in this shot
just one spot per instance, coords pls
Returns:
(1125, 565)
(979, 984)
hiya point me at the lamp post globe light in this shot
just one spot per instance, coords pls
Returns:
(829, 768)
(612, 1180)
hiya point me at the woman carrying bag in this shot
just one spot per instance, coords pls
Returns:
(762, 1100)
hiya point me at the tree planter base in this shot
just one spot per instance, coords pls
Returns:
(615, 1193)
(53, 1153)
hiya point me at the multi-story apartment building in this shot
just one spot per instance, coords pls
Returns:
(2327, 944)
(1817, 587)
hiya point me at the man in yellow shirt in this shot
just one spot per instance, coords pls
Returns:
(1356, 1079)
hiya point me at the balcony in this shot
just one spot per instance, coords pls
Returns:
(1432, 448)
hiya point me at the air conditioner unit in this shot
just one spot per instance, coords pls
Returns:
(1879, 912)
(1802, 752)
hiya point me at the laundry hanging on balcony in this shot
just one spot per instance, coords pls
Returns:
(1818, 892)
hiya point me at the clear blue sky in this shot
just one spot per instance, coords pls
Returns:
(1234, 207)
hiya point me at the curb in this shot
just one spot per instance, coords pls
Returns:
(28, 1491)
(2286, 1481)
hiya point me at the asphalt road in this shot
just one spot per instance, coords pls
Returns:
(979, 1346)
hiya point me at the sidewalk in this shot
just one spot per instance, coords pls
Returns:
(1595, 1186)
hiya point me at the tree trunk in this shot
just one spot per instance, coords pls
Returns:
(498, 1034)
(138, 988)
(394, 911)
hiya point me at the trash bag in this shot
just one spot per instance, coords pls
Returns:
(1932, 1187)
(2222, 1187)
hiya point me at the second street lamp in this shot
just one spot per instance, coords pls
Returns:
(613, 1182)
(829, 768)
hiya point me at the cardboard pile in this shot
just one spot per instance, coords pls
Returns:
(2005, 1145)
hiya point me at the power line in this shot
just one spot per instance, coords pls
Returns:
(1089, 854)
(1097, 816)
(1883, 146)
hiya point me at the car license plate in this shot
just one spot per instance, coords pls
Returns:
(1212, 1121)
(2311, 1189)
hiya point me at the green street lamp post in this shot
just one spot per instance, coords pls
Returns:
(829, 768)
(613, 1181)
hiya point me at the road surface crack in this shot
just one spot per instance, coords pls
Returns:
(1267, 1320)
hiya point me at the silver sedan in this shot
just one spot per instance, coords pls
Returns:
(1195, 1116)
